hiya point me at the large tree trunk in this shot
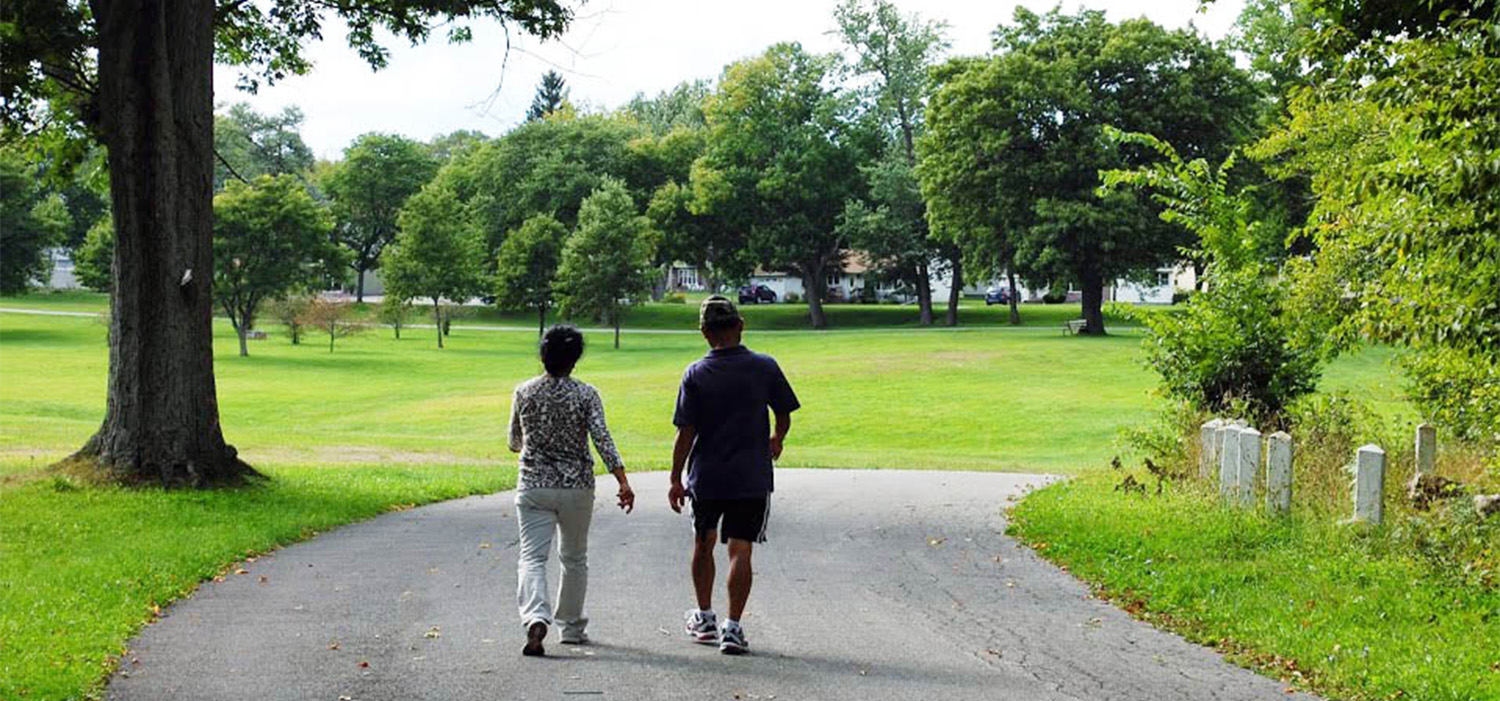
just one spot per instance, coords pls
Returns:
(956, 292)
(1093, 304)
(924, 295)
(1015, 303)
(359, 285)
(161, 420)
(812, 286)
(241, 331)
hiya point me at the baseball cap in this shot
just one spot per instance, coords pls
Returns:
(717, 312)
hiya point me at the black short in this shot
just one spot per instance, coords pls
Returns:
(741, 519)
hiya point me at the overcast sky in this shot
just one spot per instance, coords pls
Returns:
(614, 49)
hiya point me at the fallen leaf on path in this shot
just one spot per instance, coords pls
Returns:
(934, 542)
(333, 645)
(433, 632)
(364, 665)
(264, 579)
(241, 570)
(484, 546)
(487, 641)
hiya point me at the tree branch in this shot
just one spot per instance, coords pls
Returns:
(230, 168)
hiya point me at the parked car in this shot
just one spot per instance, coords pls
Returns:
(997, 295)
(757, 294)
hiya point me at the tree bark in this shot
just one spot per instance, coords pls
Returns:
(812, 286)
(241, 331)
(1015, 304)
(1093, 303)
(614, 315)
(437, 317)
(161, 420)
(956, 292)
(541, 320)
(359, 285)
(924, 295)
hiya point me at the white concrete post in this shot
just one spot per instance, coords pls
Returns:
(1279, 472)
(1229, 462)
(1426, 450)
(1249, 465)
(1369, 485)
(1208, 449)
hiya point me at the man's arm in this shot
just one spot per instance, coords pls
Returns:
(680, 451)
(778, 437)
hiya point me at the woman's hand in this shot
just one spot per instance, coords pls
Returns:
(626, 496)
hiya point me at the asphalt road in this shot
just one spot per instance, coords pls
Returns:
(874, 585)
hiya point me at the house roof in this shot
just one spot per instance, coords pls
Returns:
(855, 263)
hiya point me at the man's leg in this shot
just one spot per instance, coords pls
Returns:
(575, 513)
(703, 568)
(740, 576)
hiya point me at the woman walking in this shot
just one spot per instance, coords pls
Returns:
(552, 417)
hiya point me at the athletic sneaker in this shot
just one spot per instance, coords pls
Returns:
(702, 626)
(578, 638)
(534, 637)
(732, 639)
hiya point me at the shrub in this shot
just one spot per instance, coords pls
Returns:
(1180, 295)
(1056, 295)
(1232, 343)
(674, 298)
(793, 298)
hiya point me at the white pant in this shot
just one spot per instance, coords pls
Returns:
(540, 512)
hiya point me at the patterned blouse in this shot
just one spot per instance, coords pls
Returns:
(551, 420)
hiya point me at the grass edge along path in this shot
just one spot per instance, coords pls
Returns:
(1317, 605)
(65, 626)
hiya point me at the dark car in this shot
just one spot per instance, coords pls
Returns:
(997, 295)
(757, 294)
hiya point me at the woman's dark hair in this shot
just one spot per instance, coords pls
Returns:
(562, 346)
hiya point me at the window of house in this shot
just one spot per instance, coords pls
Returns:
(1163, 278)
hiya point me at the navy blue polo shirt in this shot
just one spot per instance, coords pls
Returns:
(725, 397)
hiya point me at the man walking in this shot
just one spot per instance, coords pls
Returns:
(725, 440)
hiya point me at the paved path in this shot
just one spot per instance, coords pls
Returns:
(875, 585)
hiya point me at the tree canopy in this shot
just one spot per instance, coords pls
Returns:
(367, 190)
(551, 94)
(438, 254)
(606, 263)
(1016, 142)
(783, 156)
(527, 267)
(270, 238)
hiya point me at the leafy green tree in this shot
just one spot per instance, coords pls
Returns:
(368, 188)
(1017, 142)
(30, 224)
(289, 310)
(678, 108)
(248, 144)
(547, 167)
(92, 260)
(1400, 142)
(270, 238)
(606, 263)
(527, 266)
(437, 255)
(783, 156)
(551, 93)
(74, 74)
(395, 312)
(897, 51)
(445, 147)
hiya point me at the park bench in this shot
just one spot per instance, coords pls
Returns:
(1071, 327)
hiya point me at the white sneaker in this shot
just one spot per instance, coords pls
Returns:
(702, 627)
(732, 639)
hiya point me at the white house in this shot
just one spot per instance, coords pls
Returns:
(1166, 282)
(848, 283)
(62, 277)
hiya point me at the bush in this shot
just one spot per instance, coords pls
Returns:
(1180, 295)
(792, 298)
(674, 298)
(866, 295)
(1232, 343)
(1057, 294)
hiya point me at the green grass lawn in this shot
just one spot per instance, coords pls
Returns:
(1310, 601)
(381, 423)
